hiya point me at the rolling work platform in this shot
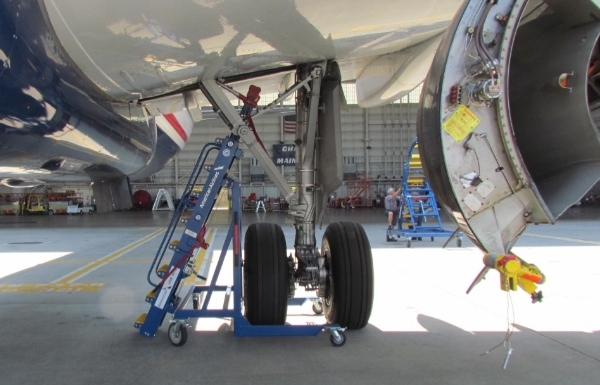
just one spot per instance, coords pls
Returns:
(419, 216)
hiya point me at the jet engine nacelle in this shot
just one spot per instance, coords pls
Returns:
(507, 129)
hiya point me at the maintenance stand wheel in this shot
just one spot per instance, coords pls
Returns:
(178, 334)
(266, 275)
(317, 307)
(458, 242)
(349, 286)
(408, 242)
(338, 341)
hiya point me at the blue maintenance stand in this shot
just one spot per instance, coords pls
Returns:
(171, 294)
(419, 216)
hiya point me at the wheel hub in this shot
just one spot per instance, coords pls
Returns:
(324, 276)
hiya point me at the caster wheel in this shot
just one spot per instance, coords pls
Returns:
(317, 307)
(339, 341)
(408, 242)
(458, 242)
(196, 302)
(178, 334)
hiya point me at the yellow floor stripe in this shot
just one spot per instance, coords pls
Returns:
(146, 261)
(201, 256)
(96, 264)
(563, 239)
(51, 287)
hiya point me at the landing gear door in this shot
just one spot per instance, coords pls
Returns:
(329, 163)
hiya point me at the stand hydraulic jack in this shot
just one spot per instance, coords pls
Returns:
(172, 294)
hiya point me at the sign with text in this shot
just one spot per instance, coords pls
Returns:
(284, 154)
(461, 123)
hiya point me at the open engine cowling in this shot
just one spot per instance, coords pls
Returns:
(508, 129)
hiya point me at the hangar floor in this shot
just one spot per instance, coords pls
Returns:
(424, 329)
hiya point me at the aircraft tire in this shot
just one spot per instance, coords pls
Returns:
(266, 274)
(349, 289)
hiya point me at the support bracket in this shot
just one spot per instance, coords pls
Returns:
(213, 90)
(215, 94)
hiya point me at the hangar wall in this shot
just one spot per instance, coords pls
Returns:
(375, 143)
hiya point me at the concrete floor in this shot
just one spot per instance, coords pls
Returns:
(424, 329)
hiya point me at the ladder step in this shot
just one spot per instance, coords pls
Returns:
(164, 269)
(140, 320)
(173, 245)
(151, 295)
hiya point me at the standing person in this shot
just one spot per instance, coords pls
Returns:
(392, 206)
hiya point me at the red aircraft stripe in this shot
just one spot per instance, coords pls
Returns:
(175, 123)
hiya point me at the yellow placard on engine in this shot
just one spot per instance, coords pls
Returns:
(461, 123)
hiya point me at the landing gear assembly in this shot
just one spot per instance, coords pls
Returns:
(265, 280)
